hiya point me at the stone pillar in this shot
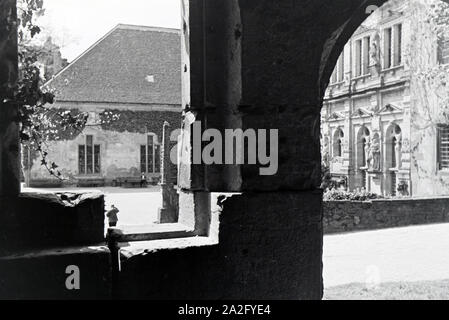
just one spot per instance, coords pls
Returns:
(170, 201)
(9, 129)
(253, 65)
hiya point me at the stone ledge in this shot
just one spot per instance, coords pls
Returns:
(131, 249)
(62, 251)
(150, 232)
(43, 220)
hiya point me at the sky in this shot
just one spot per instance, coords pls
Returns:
(77, 24)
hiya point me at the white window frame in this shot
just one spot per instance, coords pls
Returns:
(364, 64)
(85, 145)
(155, 146)
(392, 25)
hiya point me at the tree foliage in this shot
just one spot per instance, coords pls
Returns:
(39, 122)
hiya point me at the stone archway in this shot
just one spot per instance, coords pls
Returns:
(256, 64)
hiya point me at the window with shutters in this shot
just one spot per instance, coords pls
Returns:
(397, 49)
(338, 74)
(393, 46)
(358, 58)
(443, 50)
(443, 147)
(341, 67)
(334, 76)
(89, 161)
(150, 161)
(361, 56)
(365, 55)
(387, 48)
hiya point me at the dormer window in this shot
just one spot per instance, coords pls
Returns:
(150, 79)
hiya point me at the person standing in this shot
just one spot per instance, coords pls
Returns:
(112, 216)
(143, 180)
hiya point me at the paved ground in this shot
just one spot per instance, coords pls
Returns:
(137, 206)
(393, 255)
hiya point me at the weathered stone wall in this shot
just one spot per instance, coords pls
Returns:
(42, 274)
(51, 220)
(43, 234)
(259, 256)
(347, 216)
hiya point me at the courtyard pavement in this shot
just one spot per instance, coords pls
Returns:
(410, 254)
(393, 255)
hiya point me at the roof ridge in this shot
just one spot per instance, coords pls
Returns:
(126, 26)
(95, 44)
(120, 26)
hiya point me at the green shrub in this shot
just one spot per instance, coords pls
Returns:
(357, 195)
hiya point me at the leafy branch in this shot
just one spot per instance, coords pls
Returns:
(38, 121)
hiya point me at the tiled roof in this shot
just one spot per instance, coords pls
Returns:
(131, 64)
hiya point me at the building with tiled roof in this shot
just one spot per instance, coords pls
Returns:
(131, 64)
(133, 72)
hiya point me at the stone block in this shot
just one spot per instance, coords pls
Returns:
(43, 274)
(47, 220)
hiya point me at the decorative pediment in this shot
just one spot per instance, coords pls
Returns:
(390, 108)
(362, 29)
(392, 14)
(336, 116)
(361, 112)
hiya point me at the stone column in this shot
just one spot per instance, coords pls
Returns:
(9, 129)
(253, 66)
(170, 201)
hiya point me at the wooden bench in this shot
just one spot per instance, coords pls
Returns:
(46, 183)
(90, 182)
(128, 182)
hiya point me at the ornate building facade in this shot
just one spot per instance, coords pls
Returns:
(373, 133)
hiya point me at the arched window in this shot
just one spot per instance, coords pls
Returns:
(394, 145)
(338, 143)
(363, 139)
(394, 152)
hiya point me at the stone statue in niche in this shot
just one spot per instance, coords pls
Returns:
(397, 153)
(374, 52)
(374, 155)
(403, 188)
(325, 152)
(367, 153)
(374, 107)
(405, 145)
